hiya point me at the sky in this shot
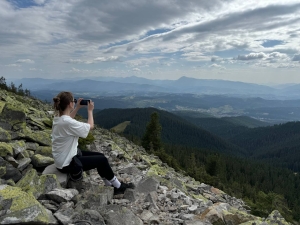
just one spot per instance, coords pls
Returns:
(250, 41)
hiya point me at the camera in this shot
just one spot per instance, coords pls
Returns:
(84, 102)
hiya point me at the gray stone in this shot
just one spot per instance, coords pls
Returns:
(118, 215)
(194, 222)
(61, 177)
(10, 171)
(61, 195)
(12, 161)
(31, 146)
(146, 215)
(132, 170)
(147, 185)
(92, 216)
(130, 195)
(23, 163)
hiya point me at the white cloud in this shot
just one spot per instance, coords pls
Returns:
(136, 70)
(24, 61)
(13, 65)
(252, 56)
(217, 66)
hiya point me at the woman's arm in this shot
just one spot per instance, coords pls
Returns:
(75, 110)
(90, 114)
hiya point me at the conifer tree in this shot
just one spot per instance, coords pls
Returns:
(152, 137)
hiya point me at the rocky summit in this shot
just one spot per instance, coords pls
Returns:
(32, 191)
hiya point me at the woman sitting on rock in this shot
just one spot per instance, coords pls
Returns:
(65, 134)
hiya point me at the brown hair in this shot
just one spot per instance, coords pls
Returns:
(62, 100)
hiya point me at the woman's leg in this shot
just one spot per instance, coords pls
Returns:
(92, 160)
(96, 160)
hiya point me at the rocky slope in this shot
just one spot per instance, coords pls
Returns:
(161, 196)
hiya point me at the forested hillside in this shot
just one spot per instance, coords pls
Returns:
(175, 129)
(278, 144)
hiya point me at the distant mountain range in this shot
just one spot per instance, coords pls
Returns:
(108, 86)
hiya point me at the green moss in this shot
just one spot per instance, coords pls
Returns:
(5, 149)
(44, 150)
(2, 104)
(40, 160)
(2, 171)
(5, 134)
(28, 182)
(200, 197)
(20, 146)
(22, 201)
(38, 136)
(157, 170)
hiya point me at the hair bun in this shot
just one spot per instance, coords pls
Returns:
(56, 99)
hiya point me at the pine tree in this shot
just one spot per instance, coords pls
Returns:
(152, 137)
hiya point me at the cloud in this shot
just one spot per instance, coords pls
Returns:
(24, 61)
(216, 66)
(96, 60)
(13, 65)
(252, 56)
(136, 70)
(107, 59)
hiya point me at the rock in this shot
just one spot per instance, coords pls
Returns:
(147, 185)
(5, 149)
(41, 161)
(18, 147)
(117, 215)
(38, 186)
(44, 150)
(61, 195)
(92, 216)
(22, 208)
(130, 194)
(23, 163)
(8, 171)
(61, 177)
(4, 135)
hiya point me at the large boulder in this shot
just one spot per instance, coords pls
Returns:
(22, 208)
(37, 185)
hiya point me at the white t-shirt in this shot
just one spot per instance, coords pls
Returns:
(65, 134)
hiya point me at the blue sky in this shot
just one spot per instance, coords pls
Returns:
(249, 41)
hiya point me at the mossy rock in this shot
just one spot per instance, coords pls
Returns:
(18, 146)
(38, 185)
(5, 149)
(2, 104)
(44, 150)
(41, 161)
(41, 137)
(22, 208)
(4, 135)
(157, 170)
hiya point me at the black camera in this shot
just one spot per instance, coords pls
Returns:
(84, 102)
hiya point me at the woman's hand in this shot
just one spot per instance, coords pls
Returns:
(78, 103)
(90, 105)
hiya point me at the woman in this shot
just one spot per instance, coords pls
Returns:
(65, 134)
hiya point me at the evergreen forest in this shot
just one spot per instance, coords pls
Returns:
(244, 158)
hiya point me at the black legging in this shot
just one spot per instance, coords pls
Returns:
(92, 160)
